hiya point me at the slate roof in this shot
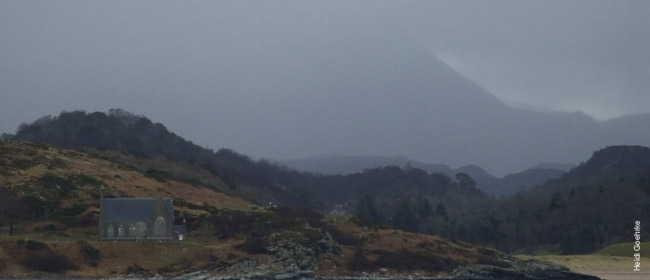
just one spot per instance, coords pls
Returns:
(180, 229)
(133, 209)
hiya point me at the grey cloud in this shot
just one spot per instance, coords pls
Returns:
(565, 55)
(293, 78)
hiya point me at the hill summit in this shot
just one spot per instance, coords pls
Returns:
(617, 157)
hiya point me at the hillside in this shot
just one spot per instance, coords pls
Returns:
(592, 206)
(258, 181)
(409, 198)
(50, 194)
(554, 216)
(50, 182)
(146, 144)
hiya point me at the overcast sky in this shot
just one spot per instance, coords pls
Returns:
(184, 63)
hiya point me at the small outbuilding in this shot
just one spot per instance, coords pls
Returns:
(179, 232)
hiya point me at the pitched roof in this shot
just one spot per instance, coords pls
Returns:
(180, 229)
(133, 209)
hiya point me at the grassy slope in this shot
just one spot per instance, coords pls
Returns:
(25, 165)
(621, 249)
(78, 177)
(612, 262)
(168, 258)
(396, 250)
(23, 169)
(605, 267)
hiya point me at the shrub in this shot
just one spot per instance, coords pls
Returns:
(255, 245)
(344, 238)
(49, 262)
(136, 269)
(314, 219)
(52, 181)
(304, 214)
(85, 180)
(34, 245)
(159, 175)
(181, 264)
(228, 223)
(405, 260)
(586, 240)
(75, 209)
(360, 262)
(70, 221)
(91, 254)
(312, 236)
(482, 259)
(87, 219)
(3, 264)
(40, 206)
(46, 228)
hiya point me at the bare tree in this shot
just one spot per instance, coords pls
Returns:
(11, 208)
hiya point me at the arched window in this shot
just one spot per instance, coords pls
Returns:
(110, 231)
(132, 232)
(140, 229)
(160, 228)
(120, 231)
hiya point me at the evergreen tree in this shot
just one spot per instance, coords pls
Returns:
(442, 211)
(229, 181)
(367, 211)
(424, 208)
(404, 217)
(557, 201)
(465, 180)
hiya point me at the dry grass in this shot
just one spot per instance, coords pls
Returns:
(27, 163)
(449, 254)
(38, 160)
(22, 167)
(605, 267)
(165, 258)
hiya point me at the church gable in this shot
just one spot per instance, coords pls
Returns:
(136, 218)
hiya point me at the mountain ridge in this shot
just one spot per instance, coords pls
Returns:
(401, 100)
(507, 185)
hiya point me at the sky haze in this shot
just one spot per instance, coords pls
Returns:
(287, 79)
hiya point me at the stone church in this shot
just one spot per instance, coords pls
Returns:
(136, 219)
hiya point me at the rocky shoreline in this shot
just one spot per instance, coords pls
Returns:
(292, 261)
(520, 270)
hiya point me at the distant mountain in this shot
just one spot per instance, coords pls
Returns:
(343, 165)
(519, 182)
(566, 167)
(376, 93)
(508, 185)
